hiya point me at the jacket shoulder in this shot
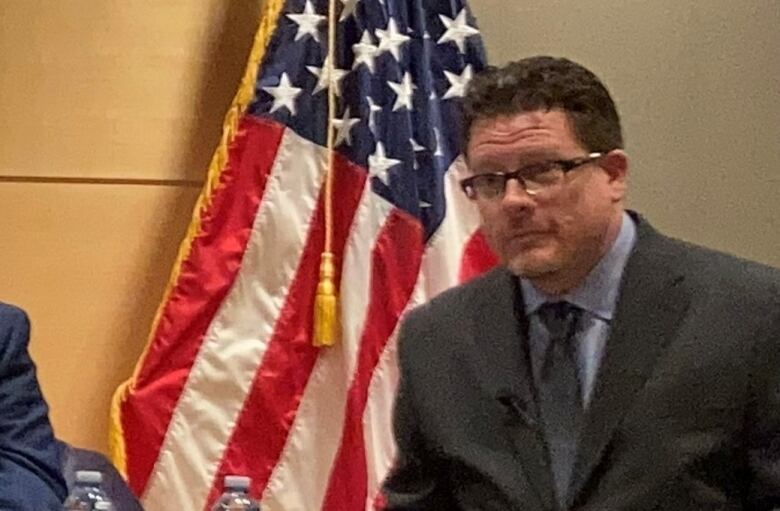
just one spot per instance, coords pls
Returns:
(435, 327)
(12, 319)
(704, 268)
(12, 314)
(716, 269)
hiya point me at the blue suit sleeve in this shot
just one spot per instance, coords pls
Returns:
(30, 476)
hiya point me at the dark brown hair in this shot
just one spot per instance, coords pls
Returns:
(546, 83)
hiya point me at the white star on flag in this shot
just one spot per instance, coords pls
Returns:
(458, 83)
(379, 164)
(284, 95)
(391, 39)
(458, 30)
(307, 22)
(404, 91)
(323, 73)
(348, 9)
(365, 52)
(373, 108)
(344, 127)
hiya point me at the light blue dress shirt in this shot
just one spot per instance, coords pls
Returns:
(597, 296)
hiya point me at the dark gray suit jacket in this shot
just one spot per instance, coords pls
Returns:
(685, 414)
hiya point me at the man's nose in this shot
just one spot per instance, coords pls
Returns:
(516, 197)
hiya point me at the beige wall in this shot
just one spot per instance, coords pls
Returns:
(93, 93)
(105, 91)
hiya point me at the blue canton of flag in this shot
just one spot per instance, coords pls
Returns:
(401, 68)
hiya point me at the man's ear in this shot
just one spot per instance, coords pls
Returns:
(615, 164)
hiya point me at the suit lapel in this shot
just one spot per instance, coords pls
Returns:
(500, 334)
(650, 307)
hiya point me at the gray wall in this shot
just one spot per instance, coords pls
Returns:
(698, 87)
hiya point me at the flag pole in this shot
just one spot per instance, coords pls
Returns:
(326, 319)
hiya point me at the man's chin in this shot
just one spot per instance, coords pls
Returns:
(531, 267)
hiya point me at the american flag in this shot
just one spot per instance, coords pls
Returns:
(230, 382)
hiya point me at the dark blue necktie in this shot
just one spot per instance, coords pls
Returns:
(558, 387)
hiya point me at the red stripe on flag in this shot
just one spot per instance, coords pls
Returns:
(380, 501)
(268, 412)
(395, 262)
(205, 277)
(477, 257)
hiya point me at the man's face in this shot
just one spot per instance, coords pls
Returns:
(564, 230)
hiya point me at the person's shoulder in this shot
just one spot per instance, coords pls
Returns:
(712, 262)
(12, 315)
(754, 284)
(716, 268)
(14, 328)
(719, 261)
(432, 332)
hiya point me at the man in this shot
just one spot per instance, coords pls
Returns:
(603, 366)
(30, 478)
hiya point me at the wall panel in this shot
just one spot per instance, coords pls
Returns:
(89, 264)
(107, 89)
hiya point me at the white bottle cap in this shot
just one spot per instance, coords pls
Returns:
(89, 476)
(237, 482)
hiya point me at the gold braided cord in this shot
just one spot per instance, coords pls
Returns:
(326, 319)
(331, 115)
(242, 99)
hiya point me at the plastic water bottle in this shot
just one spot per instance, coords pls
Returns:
(86, 492)
(236, 496)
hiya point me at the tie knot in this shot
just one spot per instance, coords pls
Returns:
(560, 318)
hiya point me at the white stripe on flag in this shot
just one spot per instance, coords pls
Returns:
(443, 256)
(378, 420)
(439, 270)
(316, 433)
(238, 335)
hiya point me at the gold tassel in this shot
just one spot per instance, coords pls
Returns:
(326, 319)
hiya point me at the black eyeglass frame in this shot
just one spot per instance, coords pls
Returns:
(467, 184)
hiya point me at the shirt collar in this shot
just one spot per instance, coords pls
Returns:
(598, 293)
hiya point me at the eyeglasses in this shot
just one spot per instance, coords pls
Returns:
(534, 178)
